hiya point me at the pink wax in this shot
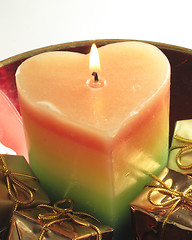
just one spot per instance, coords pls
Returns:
(11, 127)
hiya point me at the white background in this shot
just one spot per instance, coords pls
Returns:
(31, 24)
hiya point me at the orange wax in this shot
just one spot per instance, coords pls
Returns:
(97, 145)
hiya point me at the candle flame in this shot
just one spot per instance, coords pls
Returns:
(94, 62)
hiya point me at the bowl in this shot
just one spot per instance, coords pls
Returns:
(181, 74)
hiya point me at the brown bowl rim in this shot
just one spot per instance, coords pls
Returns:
(98, 42)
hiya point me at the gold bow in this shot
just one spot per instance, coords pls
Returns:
(15, 185)
(58, 215)
(176, 197)
(184, 148)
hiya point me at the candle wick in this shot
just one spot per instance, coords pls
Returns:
(96, 76)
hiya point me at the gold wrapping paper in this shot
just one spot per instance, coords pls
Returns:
(164, 211)
(180, 156)
(56, 224)
(6, 211)
(19, 184)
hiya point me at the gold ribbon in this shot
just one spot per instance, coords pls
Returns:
(176, 197)
(15, 185)
(183, 148)
(59, 215)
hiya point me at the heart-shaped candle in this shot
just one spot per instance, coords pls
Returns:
(97, 145)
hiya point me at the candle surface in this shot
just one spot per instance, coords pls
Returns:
(97, 145)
